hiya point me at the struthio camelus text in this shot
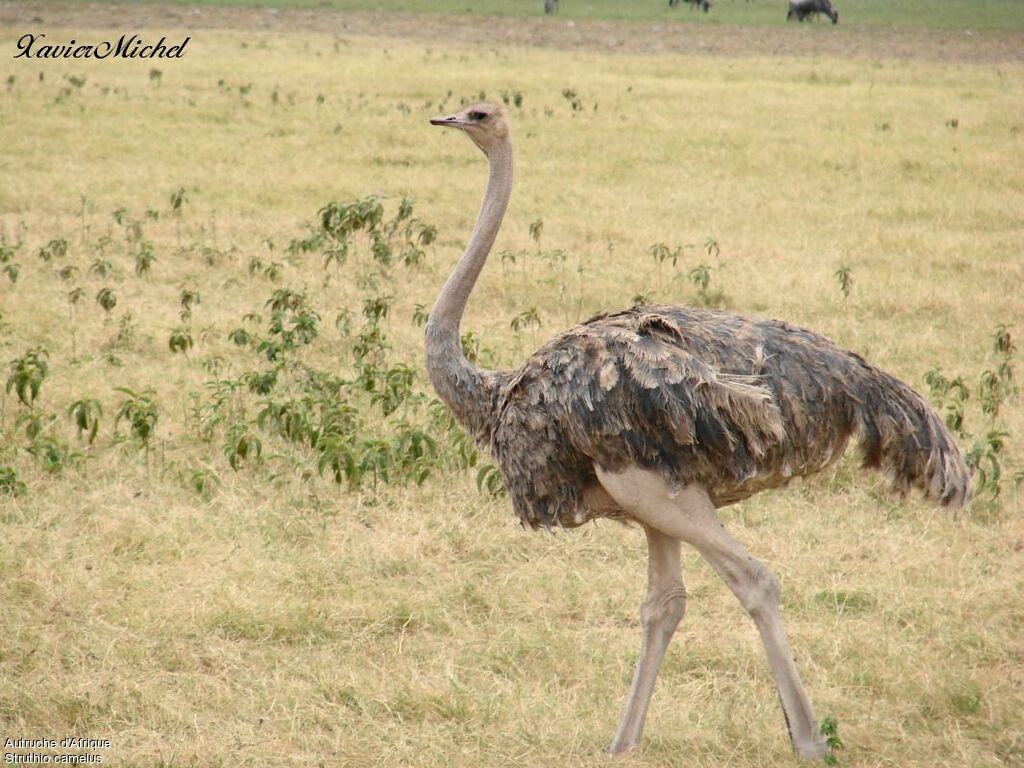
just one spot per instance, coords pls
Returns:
(659, 415)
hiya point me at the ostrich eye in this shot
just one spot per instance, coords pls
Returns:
(477, 115)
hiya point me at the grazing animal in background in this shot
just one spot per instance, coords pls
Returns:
(704, 5)
(660, 414)
(550, 6)
(803, 9)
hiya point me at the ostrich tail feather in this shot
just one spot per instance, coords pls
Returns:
(905, 437)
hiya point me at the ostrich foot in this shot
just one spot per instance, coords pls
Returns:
(619, 748)
(813, 751)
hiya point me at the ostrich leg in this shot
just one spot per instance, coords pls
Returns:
(690, 516)
(759, 591)
(660, 614)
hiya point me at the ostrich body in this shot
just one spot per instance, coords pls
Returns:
(660, 414)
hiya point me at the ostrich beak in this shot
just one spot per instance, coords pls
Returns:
(450, 121)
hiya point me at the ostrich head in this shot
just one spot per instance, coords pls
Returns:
(483, 122)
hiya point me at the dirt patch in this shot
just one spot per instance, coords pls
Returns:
(604, 36)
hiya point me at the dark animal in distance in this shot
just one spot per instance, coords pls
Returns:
(658, 415)
(550, 6)
(804, 9)
(704, 5)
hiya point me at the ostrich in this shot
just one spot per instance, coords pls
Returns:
(658, 415)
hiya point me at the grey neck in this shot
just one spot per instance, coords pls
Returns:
(462, 386)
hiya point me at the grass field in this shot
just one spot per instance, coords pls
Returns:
(199, 589)
(1004, 15)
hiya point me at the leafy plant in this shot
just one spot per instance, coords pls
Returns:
(829, 728)
(394, 388)
(314, 242)
(844, 276)
(340, 456)
(529, 318)
(178, 200)
(241, 446)
(343, 322)
(985, 456)
(983, 460)
(336, 254)
(950, 395)
(993, 390)
(712, 249)
(101, 267)
(86, 413)
(466, 454)
(132, 226)
(700, 276)
(27, 375)
(213, 364)
(140, 411)
(536, 230)
(8, 249)
(204, 482)
(376, 458)
(34, 422)
(662, 253)
(293, 323)
(420, 315)
(188, 298)
(641, 299)
(414, 452)
(471, 346)
(144, 259)
(55, 249)
(9, 482)
(7, 252)
(261, 382)
(488, 480)
(107, 300)
(127, 331)
(180, 340)
(341, 222)
(1002, 342)
(513, 98)
(73, 297)
(997, 386)
(240, 337)
(55, 455)
(575, 103)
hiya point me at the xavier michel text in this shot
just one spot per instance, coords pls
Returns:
(34, 46)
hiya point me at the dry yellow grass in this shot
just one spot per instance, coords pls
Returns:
(286, 620)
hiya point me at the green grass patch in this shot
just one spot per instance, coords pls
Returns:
(989, 15)
(845, 603)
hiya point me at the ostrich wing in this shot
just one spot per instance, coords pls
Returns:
(624, 389)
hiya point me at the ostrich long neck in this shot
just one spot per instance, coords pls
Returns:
(462, 386)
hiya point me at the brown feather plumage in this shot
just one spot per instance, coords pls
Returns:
(734, 404)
